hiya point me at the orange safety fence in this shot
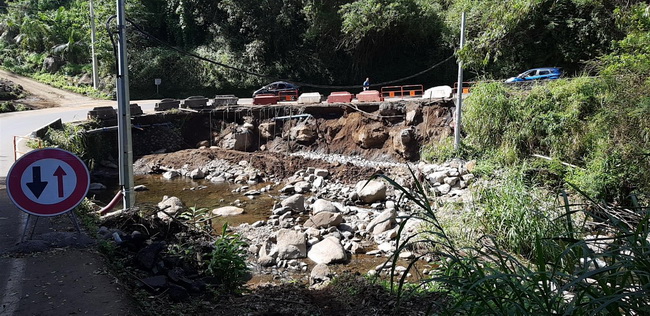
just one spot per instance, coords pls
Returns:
(288, 95)
(18, 138)
(413, 90)
(466, 87)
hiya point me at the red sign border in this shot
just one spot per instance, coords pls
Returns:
(16, 194)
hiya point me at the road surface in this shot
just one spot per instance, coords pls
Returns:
(50, 282)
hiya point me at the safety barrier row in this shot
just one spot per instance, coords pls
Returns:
(466, 87)
(413, 90)
(29, 139)
(288, 95)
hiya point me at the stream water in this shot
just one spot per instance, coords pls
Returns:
(208, 195)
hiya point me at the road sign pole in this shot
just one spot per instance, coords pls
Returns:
(92, 46)
(459, 91)
(124, 112)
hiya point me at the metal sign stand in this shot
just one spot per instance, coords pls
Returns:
(71, 215)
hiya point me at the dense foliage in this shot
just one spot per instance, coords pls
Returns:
(324, 42)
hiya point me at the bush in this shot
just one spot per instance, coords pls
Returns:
(564, 273)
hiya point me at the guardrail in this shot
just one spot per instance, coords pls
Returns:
(17, 138)
(413, 90)
(466, 87)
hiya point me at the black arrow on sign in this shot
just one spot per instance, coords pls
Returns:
(37, 186)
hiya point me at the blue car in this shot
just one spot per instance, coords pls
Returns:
(546, 73)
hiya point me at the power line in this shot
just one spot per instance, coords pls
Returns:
(252, 73)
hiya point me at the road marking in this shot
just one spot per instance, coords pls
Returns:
(14, 289)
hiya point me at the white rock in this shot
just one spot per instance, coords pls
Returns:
(371, 191)
(291, 244)
(228, 211)
(329, 250)
(322, 205)
(170, 174)
(384, 222)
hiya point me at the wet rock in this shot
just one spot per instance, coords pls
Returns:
(170, 205)
(228, 211)
(291, 244)
(171, 174)
(324, 220)
(322, 205)
(196, 174)
(328, 250)
(371, 191)
(295, 202)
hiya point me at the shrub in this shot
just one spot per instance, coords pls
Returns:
(563, 274)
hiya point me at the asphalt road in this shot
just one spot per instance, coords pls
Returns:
(56, 271)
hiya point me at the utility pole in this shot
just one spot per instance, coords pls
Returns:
(459, 91)
(92, 46)
(124, 112)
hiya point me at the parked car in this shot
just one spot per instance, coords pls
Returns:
(277, 87)
(545, 73)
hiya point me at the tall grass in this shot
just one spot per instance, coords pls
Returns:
(562, 272)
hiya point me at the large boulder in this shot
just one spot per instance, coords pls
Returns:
(52, 63)
(328, 250)
(241, 139)
(371, 191)
(295, 202)
(291, 244)
(171, 205)
(322, 205)
(382, 223)
(324, 220)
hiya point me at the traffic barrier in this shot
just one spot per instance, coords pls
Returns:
(466, 87)
(288, 95)
(311, 97)
(439, 92)
(34, 141)
(194, 102)
(340, 97)
(166, 104)
(265, 99)
(102, 113)
(225, 100)
(135, 109)
(370, 96)
(413, 90)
